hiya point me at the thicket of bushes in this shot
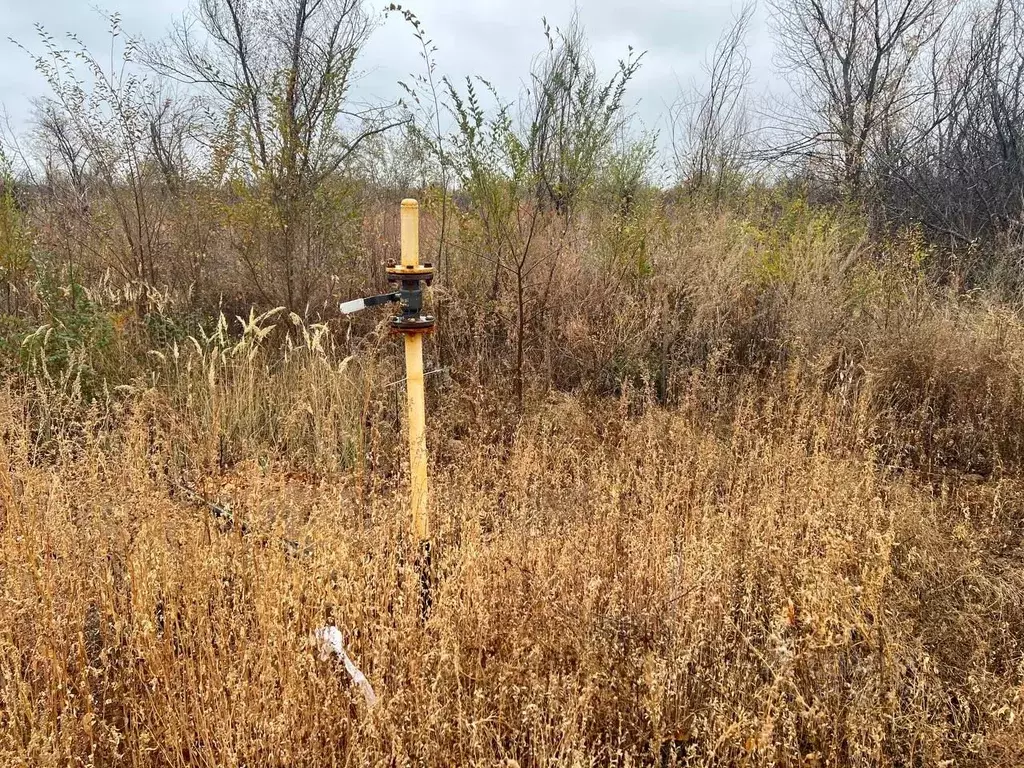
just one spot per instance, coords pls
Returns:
(134, 213)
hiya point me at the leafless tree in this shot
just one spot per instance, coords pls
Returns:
(280, 71)
(851, 64)
(571, 114)
(93, 128)
(64, 155)
(709, 125)
(524, 177)
(171, 123)
(958, 166)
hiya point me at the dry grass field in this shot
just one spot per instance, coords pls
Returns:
(725, 413)
(780, 565)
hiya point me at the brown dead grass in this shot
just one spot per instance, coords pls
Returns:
(615, 584)
(762, 507)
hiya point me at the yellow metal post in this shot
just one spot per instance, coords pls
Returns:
(414, 384)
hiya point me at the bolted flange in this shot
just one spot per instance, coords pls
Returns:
(411, 280)
(418, 324)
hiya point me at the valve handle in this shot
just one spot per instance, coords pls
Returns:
(355, 305)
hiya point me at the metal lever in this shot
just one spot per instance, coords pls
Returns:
(355, 305)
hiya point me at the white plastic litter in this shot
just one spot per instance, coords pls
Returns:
(330, 643)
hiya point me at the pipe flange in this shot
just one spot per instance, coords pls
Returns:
(398, 272)
(415, 324)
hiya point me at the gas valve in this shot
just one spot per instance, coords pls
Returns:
(411, 281)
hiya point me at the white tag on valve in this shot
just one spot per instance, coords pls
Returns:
(330, 643)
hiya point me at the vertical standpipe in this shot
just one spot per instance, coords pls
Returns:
(414, 383)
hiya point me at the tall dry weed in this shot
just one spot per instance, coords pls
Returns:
(645, 589)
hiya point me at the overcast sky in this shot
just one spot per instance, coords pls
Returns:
(493, 38)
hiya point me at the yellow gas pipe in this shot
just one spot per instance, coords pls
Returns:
(414, 385)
